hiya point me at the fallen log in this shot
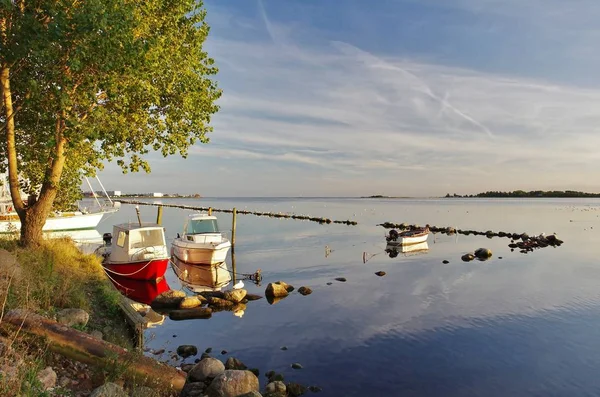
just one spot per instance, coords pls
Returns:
(84, 348)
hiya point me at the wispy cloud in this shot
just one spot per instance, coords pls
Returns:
(298, 97)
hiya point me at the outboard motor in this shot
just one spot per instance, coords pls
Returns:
(107, 237)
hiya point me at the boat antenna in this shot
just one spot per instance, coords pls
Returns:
(104, 190)
(92, 190)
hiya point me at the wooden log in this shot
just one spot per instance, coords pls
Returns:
(87, 349)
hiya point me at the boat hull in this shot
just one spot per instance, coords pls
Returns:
(60, 223)
(151, 270)
(200, 255)
(409, 240)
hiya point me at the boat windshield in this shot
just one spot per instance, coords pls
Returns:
(196, 226)
(146, 238)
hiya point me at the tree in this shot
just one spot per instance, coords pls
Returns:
(84, 82)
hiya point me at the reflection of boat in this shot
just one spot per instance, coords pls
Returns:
(394, 249)
(140, 251)
(201, 242)
(198, 278)
(141, 291)
(413, 236)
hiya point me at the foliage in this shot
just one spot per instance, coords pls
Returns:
(531, 194)
(100, 80)
(57, 276)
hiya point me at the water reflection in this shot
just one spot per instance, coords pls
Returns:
(139, 294)
(199, 278)
(86, 240)
(141, 291)
(412, 249)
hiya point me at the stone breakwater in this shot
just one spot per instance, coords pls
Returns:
(320, 220)
(521, 241)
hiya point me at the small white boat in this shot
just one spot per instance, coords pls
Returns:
(414, 236)
(139, 252)
(407, 249)
(201, 243)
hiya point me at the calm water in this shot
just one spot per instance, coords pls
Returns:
(520, 325)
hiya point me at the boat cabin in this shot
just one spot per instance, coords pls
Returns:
(135, 243)
(202, 228)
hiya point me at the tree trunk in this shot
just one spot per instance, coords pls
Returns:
(32, 222)
(82, 347)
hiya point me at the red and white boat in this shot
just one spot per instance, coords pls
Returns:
(139, 251)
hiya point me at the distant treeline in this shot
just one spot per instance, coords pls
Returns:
(533, 193)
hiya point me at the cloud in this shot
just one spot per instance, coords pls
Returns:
(308, 108)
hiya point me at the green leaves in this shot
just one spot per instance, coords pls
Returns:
(115, 78)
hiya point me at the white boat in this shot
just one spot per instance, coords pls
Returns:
(57, 221)
(201, 243)
(414, 236)
(408, 249)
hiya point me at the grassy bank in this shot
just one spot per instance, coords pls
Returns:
(45, 280)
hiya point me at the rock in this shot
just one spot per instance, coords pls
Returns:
(284, 348)
(380, 273)
(47, 378)
(235, 295)
(253, 297)
(220, 303)
(187, 350)
(223, 352)
(189, 302)
(314, 389)
(97, 334)
(483, 253)
(467, 257)
(197, 312)
(109, 390)
(276, 290)
(193, 389)
(187, 367)
(445, 262)
(253, 393)
(208, 350)
(168, 300)
(297, 366)
(73, 317)
(204, 355)
(273, 300)
(341, 279)
(234, 363)
(275, 389)
(329, 283)
(255, 371)
(206, 369)
(144, 391)
(274, 376)
(304, 291)
(295, 389)
(213, 294)
(232, 383)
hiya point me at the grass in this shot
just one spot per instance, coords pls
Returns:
(46, 279)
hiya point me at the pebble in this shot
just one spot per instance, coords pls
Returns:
(380, 273)
(341, 279)
(296, 366)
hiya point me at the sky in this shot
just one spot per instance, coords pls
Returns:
(395, 97)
